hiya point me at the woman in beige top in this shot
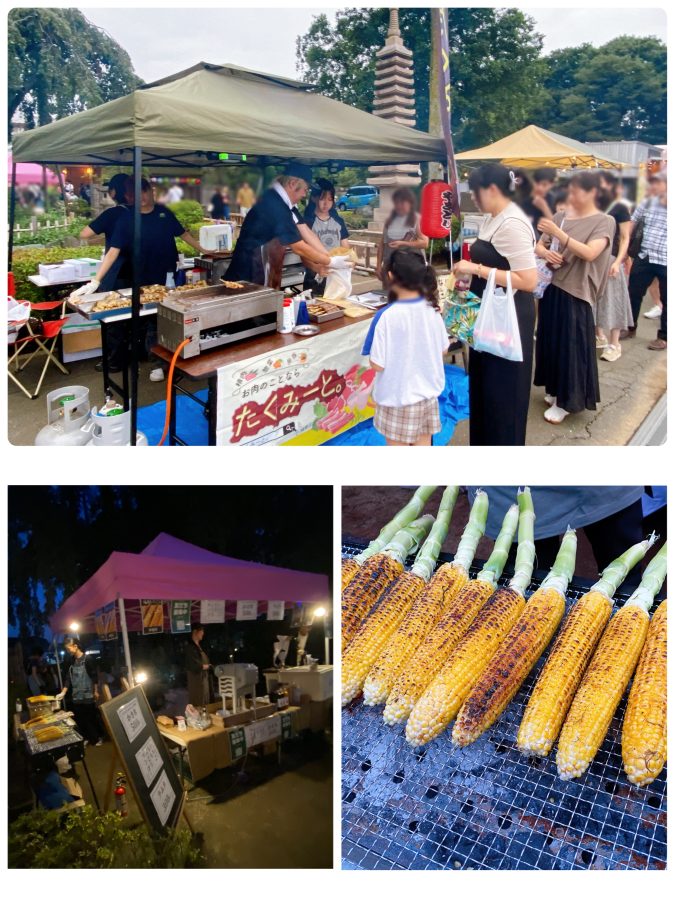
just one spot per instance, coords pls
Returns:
(401, 232)
(577, 246)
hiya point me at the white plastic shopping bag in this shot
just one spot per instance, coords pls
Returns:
(496, 330)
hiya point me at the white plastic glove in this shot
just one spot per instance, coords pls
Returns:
(90, 288)
(340, 262)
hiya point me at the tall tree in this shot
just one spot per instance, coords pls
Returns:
(613, 92)
(59, 63)
(495, 60)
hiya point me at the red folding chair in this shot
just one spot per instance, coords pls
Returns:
(45, 344)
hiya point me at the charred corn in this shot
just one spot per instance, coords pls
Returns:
(429, 658)
(562, 673)
(520, 650)
(607, 676)
(425, 609)
(377, 574)
(442, 699)
(403, 517)
(643, 739)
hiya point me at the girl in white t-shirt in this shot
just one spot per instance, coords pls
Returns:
(406, 343)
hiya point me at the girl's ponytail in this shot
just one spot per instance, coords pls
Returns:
(430, 284)
(410, 271)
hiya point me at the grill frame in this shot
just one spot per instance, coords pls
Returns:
(487, 806)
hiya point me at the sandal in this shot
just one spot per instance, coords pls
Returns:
(555, 414)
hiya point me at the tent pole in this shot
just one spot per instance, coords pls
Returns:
(58, 664)
(12, 215)
(135, 293)
(125, 641)
(63, 190)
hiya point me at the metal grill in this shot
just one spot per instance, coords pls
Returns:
(488, 806)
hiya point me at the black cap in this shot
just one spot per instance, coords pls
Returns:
(119, 183)
(299, 170)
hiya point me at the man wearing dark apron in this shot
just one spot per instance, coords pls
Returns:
(82, 683)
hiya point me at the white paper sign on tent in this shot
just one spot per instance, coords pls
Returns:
(247, 610)
(212, 611)
(275, 610)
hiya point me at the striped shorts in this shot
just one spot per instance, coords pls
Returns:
(408, 423)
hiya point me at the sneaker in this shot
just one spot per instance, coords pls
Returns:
(550, 399)
(555, 415)
(612, 353)
(653, 313)
(99, 742)
(601, 342)
(658, 344)
(157, 374)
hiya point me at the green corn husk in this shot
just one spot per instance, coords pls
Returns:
(526, 550)
(496, 561)
(612, 576)
(563, 568)
(473, 532)
(652, 581)
(425, 563)
(403, 517)
(408, 539)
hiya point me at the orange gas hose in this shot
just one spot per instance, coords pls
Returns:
(169, 382)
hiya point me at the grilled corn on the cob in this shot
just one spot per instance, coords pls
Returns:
(442, 699)
(607, 676)
(403, 517)
(425, 609)
(429, 658)
(377, 574)
(559, 679)
(643, 739)
(520, 650)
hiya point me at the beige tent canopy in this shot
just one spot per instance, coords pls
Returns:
(192, 119)
(534, 146)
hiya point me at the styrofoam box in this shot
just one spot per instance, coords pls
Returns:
(81, 338)
(85, 267)
(56, 272)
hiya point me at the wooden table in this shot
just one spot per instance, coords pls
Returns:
(205, 367)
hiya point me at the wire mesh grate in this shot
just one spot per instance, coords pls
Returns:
(487, 806)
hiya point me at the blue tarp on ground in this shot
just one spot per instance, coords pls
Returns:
(192, 426)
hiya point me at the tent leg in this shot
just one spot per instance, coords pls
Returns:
(63, 190)
(135, 293)
(326, 644)
(58, 664)
(125, 641)
(12, 216)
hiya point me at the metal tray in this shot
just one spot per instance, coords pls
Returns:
(84, 307)
(487, 806)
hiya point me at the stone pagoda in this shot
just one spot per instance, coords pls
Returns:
(394, 100)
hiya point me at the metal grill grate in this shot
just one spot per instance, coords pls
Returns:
(487, 806)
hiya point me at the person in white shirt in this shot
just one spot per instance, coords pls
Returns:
(174, 194)
(406, 343)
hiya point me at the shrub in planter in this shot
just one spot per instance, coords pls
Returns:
(86, 839)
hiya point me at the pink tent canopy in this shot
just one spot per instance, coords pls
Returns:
(29, 173)
(171, 569)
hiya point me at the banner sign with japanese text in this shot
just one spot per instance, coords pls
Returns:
(212, 612)
(106, 622)
(247, 610)
(180, 616)
(275, 610)
(451, 199)
(152, 612)
(304, 394)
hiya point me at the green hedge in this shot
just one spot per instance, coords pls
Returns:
(25, 262)
(188, 212)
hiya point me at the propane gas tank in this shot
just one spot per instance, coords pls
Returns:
(67, 412)
(112, 430)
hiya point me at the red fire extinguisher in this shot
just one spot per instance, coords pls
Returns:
(121, 795)
(436, 209)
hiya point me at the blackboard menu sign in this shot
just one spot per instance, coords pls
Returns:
(145, 758)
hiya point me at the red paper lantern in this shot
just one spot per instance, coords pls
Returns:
(436, 214)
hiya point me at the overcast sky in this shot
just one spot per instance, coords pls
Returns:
(163, 41)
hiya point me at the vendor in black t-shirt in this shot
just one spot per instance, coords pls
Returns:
(120, 190)
(275, 216)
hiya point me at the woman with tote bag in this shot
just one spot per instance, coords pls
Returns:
(499, 389)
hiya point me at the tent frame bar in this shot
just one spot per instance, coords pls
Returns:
(125, 641)
(12, 216)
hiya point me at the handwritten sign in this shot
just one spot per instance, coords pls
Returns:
(212, 611)
(265, 730)
(237, 744)
(149, 761)
(275, 610)
(247, 610)
(163, 796)
(132, 719)
(180, 616)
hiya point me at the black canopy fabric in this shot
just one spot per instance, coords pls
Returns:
(190, 119)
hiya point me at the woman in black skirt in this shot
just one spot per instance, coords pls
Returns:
(499, 390)
(577, 244)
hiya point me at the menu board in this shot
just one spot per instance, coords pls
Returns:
(152, 612)
(212, 612)
(145, 758)
(106, 622)
(275, 610)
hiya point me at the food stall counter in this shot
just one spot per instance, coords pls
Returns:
(316, 682)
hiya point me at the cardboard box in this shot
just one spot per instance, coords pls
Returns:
(321, 714)
(81, 339)
(57, 272)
